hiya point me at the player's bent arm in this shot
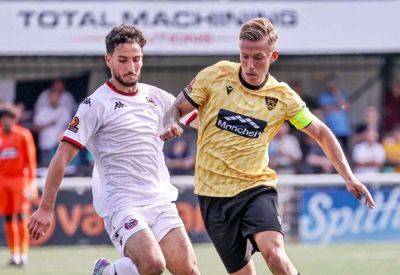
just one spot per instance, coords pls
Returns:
(179, 108)
(65, 153)
(331, 147)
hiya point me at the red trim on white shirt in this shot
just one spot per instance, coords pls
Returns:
(112, 87)
(191, 118)
(73, 142)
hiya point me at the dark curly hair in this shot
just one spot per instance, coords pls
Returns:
(124, 34)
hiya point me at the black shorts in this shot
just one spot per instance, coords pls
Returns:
(232, 221)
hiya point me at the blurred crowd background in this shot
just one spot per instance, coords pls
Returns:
(370, 136)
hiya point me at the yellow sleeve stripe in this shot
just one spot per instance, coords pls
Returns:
(302, 119)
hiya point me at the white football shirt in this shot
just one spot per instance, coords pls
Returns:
(122, 131)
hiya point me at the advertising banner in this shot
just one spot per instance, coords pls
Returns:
(331, 214)
(198, 27)
(76, 222)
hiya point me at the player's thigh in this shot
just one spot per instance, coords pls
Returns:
(6, 199)
(20, 203)
(168, 230)
(270, 243)
(261, 215)
(178, 252)
(144, 250)
(222, 219)
(132, 237)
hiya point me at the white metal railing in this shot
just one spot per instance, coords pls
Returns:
(283, 180)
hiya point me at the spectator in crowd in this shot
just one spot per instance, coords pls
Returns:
(50, 122)
(309, 100)
(180, 158)
(392, 148)
(315, 160)
(17, 183)
(335, 107)
(66, 98)
(391, 106)
(285, 151)
(369, 155)
(371, 122)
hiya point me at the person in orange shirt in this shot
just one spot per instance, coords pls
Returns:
(17, 183)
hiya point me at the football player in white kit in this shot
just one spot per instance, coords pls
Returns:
(120, 124)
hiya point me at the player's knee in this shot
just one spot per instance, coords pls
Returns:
(152, 267)
(276, 259)
(190, 268)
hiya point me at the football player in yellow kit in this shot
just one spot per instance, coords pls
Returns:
(241, 108)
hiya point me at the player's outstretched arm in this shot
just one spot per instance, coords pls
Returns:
(330, 145)
(179, 108)
(40, 220)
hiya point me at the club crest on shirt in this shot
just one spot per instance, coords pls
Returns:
(73, 125)
(271, 102)
(150, 100)
(131, 224)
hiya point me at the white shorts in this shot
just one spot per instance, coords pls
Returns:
(126, 222)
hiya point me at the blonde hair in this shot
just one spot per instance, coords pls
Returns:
(258, 28)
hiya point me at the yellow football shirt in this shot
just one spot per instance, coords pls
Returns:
(237, 123)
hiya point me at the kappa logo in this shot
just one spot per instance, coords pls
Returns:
(271, 102)
(87, 101)
(239, 124)
(73, 125)
(118, 105)
(229, 89)
(131, 224)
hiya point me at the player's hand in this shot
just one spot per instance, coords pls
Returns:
(358, 189)
(39, 223)
(174, 130)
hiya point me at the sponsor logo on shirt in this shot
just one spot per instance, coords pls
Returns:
(239, 124)
(9, 153)
(131, 224)
(271, 102)
(118, 105)
(73, 125)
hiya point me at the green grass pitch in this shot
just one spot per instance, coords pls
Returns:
(373, 259)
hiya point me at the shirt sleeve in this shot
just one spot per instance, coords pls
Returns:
(85, 123)
(198, 90)
(297, 113)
